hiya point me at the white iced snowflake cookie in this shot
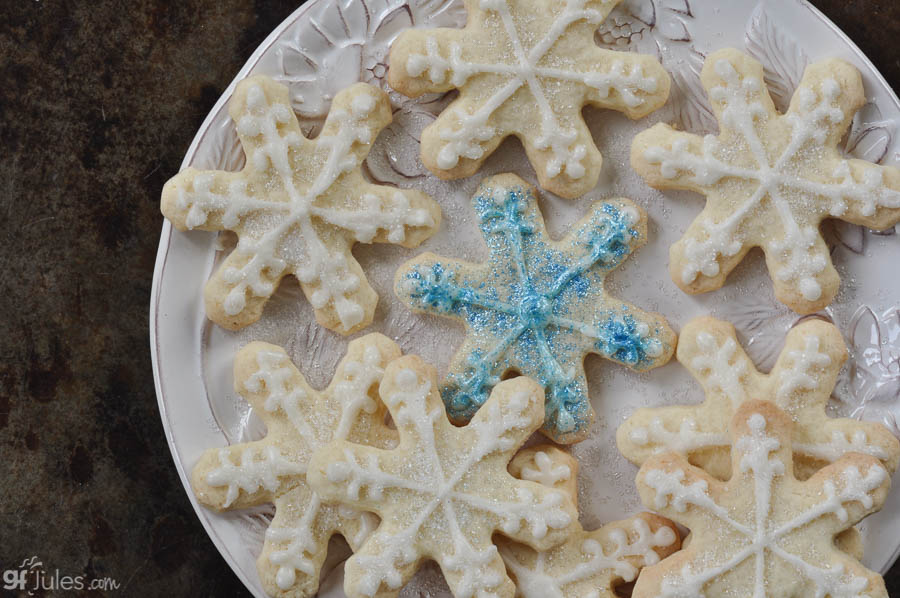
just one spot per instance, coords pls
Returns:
(800, 383)
(524, 76)
(445, 490)
(298, 206)
(273, 470)
(769, 179)
(762, 533)
(588, 564)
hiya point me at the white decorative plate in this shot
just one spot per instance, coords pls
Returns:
(328, 44)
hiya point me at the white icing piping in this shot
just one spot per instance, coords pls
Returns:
(537, 582)
(722, 367)
(547, 473)
(802, 375)
(683, 441)
(257, 469)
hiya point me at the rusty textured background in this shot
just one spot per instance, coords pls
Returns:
(99, 100)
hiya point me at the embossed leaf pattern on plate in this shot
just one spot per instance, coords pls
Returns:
(314, 59)
(646, 23)
(782, 57)
(663, 28)
(395, 155)
(874, 372)
(763, 325)
(688, 100)
(223, 149)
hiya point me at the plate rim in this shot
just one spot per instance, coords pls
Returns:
(156, 289)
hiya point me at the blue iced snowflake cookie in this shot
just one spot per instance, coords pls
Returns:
(538, 307)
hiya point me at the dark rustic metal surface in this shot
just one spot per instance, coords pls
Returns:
(99, 100)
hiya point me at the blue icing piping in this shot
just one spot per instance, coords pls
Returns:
(524, 306)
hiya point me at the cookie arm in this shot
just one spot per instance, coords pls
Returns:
(568, 163)
(637, 542)
(381, 567)
(295, 547)
(485, 574)
(462, 137)
(878, 205)
(808, 366)
(705, 255)
(638, 339)
(424, 60)
(513, 411)
(210, 200)
(244, 475)
(252, 473)
(382, 214)
(827, 97)
(670, 486)
(710, 351)
(696, 431)
(430, 283)
(549, 466)
(803, 275)
(844, 492)
(238, 290)
(635, 84)
(336, 285)
(358, 114)
(670, 159)
(735, 83)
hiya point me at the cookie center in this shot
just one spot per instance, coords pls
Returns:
(534, 309)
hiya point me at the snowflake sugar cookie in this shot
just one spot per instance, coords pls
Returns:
(587, 564)
(537, 306)
(444, 491)
(769, 179)
(763, 533)
(800, 383)
(299, 420)
(524, 76)
(298, 207)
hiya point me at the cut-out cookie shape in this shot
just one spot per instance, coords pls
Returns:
(763, 533)
(537, 307)
(769, 179)
(800, 383)
(521, 75)
(444, 491)
(587, 564)
(298, 206)
(298, 421)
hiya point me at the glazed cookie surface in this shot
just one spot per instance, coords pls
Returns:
(298, 206)
(588, 564)
(769, 179)
(537, 307)
(524, 76)
(445, 490)
(762, 533)
(801, 383)
(273, 470)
